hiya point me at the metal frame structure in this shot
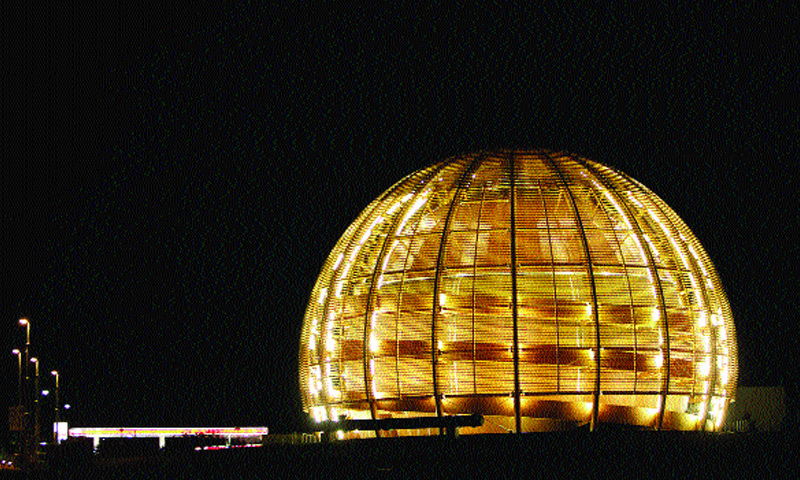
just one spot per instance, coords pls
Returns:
(536, 288)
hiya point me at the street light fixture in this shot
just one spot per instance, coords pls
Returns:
(26, 323)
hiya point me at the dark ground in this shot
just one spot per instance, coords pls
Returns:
(606, 454)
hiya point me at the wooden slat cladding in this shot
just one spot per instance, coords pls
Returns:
(523, 284)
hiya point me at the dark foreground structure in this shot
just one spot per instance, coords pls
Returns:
(552, 454)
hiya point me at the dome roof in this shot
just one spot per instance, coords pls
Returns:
(538, 288)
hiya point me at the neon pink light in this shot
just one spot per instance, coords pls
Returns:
(110, 432)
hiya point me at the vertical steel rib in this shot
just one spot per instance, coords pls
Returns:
(703, 293)
(365, 342)
(474, 280)
(514, 313)
(436, 281)
(653, 271)
(595, 313)
(325, 319)
(370, 295)
(431, 174)
(555, 291)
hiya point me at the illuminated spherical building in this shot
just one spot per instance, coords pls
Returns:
(540, 289)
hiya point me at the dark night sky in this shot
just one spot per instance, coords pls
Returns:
(172, 180)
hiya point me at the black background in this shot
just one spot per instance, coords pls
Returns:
(173, 179)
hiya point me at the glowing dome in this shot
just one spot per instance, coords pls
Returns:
(540, 289)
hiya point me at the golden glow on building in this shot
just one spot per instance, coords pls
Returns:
(540, 289)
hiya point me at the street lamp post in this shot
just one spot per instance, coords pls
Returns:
(55, 430)
(27, 324)
(18, 424)
(27, 448)
(35, 361)
(19, 375)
